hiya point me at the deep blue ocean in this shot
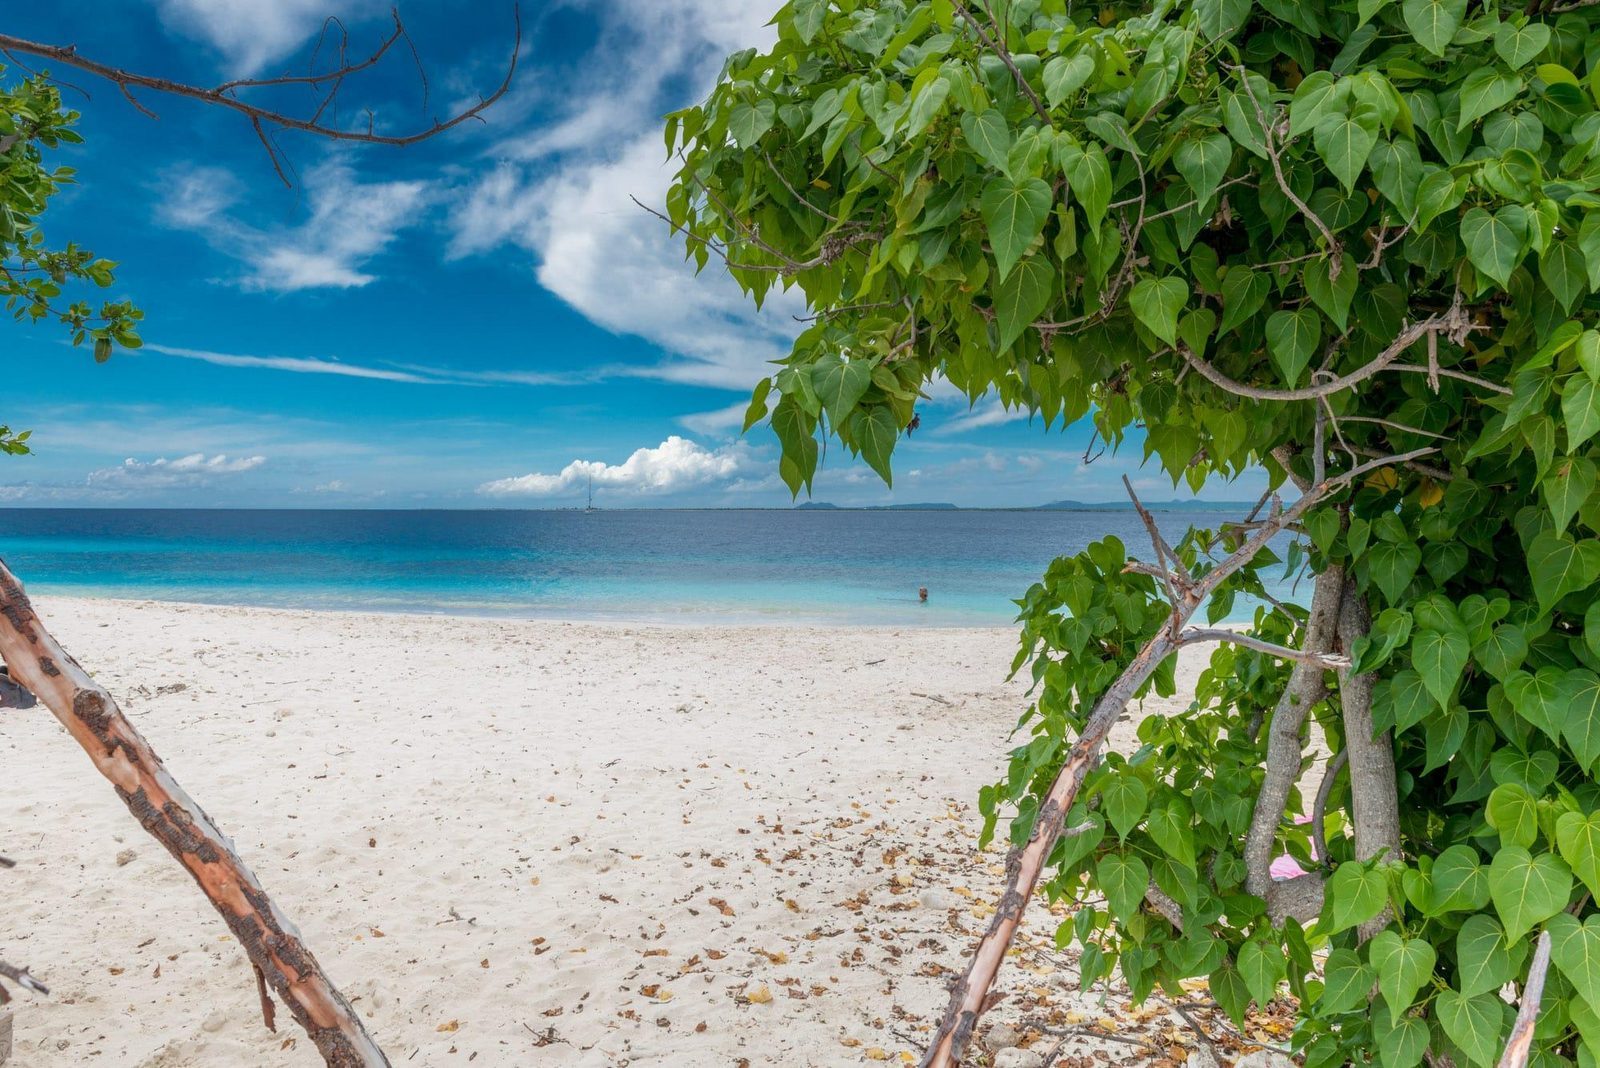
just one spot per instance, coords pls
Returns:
(798, 566)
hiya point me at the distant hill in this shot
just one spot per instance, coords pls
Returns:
(814, 506)
(1154, 506)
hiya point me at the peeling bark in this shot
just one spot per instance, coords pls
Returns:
(1306, 686)
(122, 755)
(1374, 794)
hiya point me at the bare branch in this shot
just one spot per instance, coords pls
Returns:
(1319, 810)
(1330, 661)
(224, 95)
(999, 49)
(1521, 1043)
(969, 996)
(1269, 137)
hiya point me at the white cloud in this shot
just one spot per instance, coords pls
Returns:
(563, 193)
(722, 421)
(196, 469)
(296, 364)
(675, 464)
(252, 33)
(350, 223)
(988, 412)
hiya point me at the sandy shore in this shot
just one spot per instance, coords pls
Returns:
(524, 842)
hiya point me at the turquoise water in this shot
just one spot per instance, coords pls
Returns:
(821, 566)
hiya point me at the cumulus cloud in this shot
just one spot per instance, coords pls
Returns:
(350, 223)
(252, 33)
(196, 469)
(675, 464)
(562, 191)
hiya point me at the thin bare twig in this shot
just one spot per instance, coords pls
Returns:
(999, 49)
(1198, 635)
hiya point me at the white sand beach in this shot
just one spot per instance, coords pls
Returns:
(530, 843)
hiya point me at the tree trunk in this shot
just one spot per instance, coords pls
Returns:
(156, 800)
(1305, 688)
(1374, 797)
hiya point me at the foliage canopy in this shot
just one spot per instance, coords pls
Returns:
(1297, 235)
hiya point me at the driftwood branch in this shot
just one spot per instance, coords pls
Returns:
(1521, 1043)
(226, 95)
(155, 799)
(969, 997)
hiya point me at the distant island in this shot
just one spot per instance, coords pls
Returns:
(1052, 506)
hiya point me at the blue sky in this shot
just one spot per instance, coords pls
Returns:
(483, 320)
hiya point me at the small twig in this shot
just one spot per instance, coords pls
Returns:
(932, 697)
(1196, 635)
(999, 49)
(1521, 1042)
(1194, 1025)
(1319, 810)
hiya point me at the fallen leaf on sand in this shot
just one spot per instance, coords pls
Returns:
(722, 906)
(446, 1028)
(876, 1054)
(759, 996)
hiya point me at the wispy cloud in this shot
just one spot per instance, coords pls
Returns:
(722, 421)
(675, 464)
(349, 224)
(252, 33)
(988, 412)
(295, 364)
(196, 469)
(562, 191)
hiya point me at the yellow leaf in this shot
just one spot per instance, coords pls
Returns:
(446, 1028)
(759, 996)
(876, 1054)
(1430, 494)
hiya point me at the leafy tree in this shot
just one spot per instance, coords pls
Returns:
(33, 276)
(1356, 244)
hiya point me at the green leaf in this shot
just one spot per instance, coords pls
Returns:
(1292, 338)
(1261, 967)
(1392, 567)
(1171, 827)
(1125, 799)
(1124, 880)
(1503, 651)
(1472, 1023)
(926, 104)
(1020, 298)
(1588, 353)
(1580, 716)
(1484, 90)
(1203, 162)
(1065, 75)
(747, 122)
(1440, 191)
(1527, 889)
(1344, 143)
(1014, 213)
(1221, 18)
(1333, 296)
(809, 15)
(1355, 894)
(1575, 948)
(1518, 45)
(1346, 982)
(757, 409)
(1580, 405)
(1404, 1043)
(874, 432)
(1578, 838)
(1089, 179)
(1440, 657)
(1483, 956)
(1562, 270)
(1566, 487)
(1403, 966)
(840, 385)
(1156, 302)
(1434, 22)
(1560, 566)
(1243, 293)
(1460, 883)
(1495, 242)
(1514, 813)
(988, 135)
(1537, 698)
(1316, 97)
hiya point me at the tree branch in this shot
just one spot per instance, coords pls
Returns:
(999, 49)
(224, 95)
(1325, 660)
(153, 796)
(1521, 1043)
(969, 996)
